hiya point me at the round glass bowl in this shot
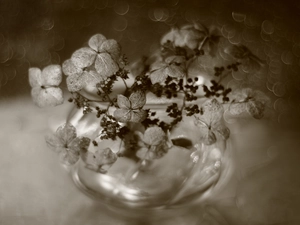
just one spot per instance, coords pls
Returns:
(187, 174)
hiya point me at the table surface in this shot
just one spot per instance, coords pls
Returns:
(35, 189)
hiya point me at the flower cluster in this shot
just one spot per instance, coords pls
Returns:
(173, 76)
(93, 64)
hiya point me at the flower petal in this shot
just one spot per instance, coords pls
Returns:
(105, 157)
(157, 65)
(89, 159)
(212, 112)
(35, 77)
(223, 131)
(52, 75)
(91, 77)
(112, 47)
(79, 143)
(75, 82)
(213, 47)
(137, 99)
(201, 27)
(83, 57)
(170, 36)
(70, 69)
(137, 116)
(208, 137)
(158, 76)
(96, 41)
(194, 38)
(102, 157)
(68, 157)
(174, 59)
(78, 81)
(66, 133)
(237, 51)
(175, 71)
(122, 115)
(256, 109)
(142, 153)
(123, 102)
(44, 97)
(236, 108)
(105, 65)
(55, 143)
(160, 150)
(154, 136)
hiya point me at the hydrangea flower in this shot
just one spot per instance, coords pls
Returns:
(105, 53)
(173, 66)
(89, 65)
(99, 161)
(67, 144)
(211, 122)
(249, 100)
(45, 90)
(193, 36)
(187, 35)
(79, 78)
(131, 108)
(154, 143)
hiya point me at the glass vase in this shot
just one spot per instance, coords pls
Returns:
(188, 174)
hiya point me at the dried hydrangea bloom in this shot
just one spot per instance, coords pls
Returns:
(154, 143)
(249, 100)
(186, 36)
(105, 53)
(45, 90)
(92, 64)
(194, 36)
(99, 161)
(210, 122)
(173, 66)
(67, 144)
(130, 109)
(79, 78)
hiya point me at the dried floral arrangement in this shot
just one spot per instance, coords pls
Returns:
(100, 73)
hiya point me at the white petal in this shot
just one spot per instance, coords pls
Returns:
(44, 97)
(112, 47)
(83, 57)
(69, 68)
(96, 41)
(123, 102)
(51, 75)
(154, 136)
(35, 77)
(105, 65)
(137, 99)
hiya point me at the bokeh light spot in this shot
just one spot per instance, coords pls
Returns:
(238, 17)
(121, 7)
(279, 89)
(120, 23)
(47, 24)
(101, 4)
(287, 57)
(267, 27)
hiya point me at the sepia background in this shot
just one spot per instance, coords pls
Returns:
(34, 33)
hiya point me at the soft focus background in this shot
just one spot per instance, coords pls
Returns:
(34, 33)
